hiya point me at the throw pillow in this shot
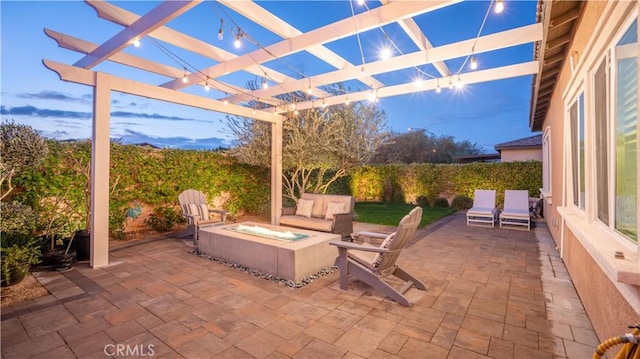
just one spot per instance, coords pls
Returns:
(304, 207)
(385, 244)
(334, 208)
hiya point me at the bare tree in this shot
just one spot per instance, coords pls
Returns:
(422, 146)
(320, 145)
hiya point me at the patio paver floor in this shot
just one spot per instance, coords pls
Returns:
(491, 293)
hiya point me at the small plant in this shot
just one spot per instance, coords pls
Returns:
(441, 202)
(163, 219)
(422, 201)
(462, 203)
(16, 261)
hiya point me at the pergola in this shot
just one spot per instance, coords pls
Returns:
(153, 25)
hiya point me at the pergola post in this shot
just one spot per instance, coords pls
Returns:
(276, 170)
(100, 163)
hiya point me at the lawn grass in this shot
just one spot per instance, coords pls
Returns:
(390, 214)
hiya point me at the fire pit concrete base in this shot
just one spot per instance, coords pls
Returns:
(288, 260)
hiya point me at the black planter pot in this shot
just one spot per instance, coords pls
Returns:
(82, 240)
(16, 275)
(47, 256)
(62, 261)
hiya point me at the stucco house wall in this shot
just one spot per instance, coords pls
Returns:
(611, 303)
(526, 154)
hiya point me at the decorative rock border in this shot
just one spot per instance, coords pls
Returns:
(256, 273)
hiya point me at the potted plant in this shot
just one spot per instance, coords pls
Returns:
(19, 246)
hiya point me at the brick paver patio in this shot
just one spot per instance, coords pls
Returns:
(491, 293)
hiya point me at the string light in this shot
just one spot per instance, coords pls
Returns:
(360, 2)
(221, 31)
(309, 90)
(372, 96)
(206, 86)
(459, 84)
(450, 83)
(474, 63)
(296, 112)
(438, 89)
(136, 43)
(238, 44)
(265, 84)
(346, 101)
(254, 111)
(226, 102)
(499, 6)
(324, 105)
(184, 78)
(417, 83)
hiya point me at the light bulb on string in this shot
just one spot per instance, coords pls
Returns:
(459, 83)
(346, 101)
(450, 83)
(184, 78)
(417, 83)
(206, 86)
(360, 2)
(385, 53)
(372, 96)
(324, 105)
(237, 43)
(221, 31)
(265, 84)
(438, 89)
(226, 102)
(296, 112)
(136, 43)
(254, 111)
(474, 63)
(499, 6)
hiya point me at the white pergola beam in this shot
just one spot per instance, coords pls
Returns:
(86, 77)
(271, 22)
(498, 73)
(492, 42)
(413, 31)
(75, 44)
(340, 29)
(123, 17)
(155, 18)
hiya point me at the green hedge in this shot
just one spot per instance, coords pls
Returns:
(156, 176)
(405, 183)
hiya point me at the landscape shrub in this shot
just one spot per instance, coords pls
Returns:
(422, 201)
(441, 202)
(462, 203)
(163, 219)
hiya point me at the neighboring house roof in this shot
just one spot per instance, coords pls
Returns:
(559, 20)
(485, 157)
(521, 143)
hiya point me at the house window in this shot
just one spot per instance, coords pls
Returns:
(576, 116)
(625, 62)
(602, 141)
(546, 162)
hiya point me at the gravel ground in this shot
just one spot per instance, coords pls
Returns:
(26, 290)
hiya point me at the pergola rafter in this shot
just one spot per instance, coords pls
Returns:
(315, 42)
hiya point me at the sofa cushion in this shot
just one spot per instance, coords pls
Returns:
(314, 224)
(318, 210)
(304, 207)
(334, 208)
(347, 200)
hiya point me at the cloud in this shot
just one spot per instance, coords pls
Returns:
(134, 137)
(37, 112)
(153, 116)
(58, 96)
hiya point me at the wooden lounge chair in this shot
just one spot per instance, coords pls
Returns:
(371, 264)
(197, 213)
(516, 209)
(484, 207)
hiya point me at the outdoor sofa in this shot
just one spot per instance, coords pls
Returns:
(321, 212)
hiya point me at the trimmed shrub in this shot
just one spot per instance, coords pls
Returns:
(441, 202)
(462, 203)
(422, 201)
(163, 219)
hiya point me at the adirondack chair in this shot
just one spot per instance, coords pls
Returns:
(197, 212)
(371, 264)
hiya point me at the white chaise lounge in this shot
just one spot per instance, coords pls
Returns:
(516, 209)
(484, 207)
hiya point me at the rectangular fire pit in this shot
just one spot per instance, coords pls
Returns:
(291, 256)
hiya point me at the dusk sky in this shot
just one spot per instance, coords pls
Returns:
(486, 113)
